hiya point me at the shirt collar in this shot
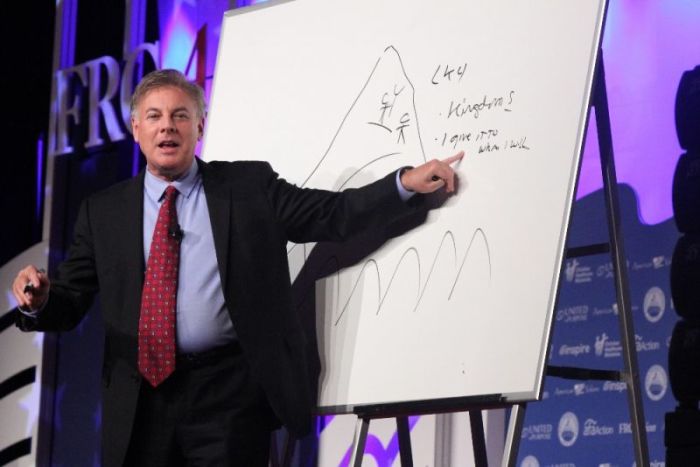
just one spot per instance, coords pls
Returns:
(185, 185)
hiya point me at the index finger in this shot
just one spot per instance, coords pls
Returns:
(33, 276)
(456, 157)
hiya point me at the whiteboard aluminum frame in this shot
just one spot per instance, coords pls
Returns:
(487, 400)
(573, 185)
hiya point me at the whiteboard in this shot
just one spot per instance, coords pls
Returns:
(338, 93)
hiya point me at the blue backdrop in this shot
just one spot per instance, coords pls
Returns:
(587, 423)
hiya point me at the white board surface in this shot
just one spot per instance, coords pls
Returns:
(337, 93)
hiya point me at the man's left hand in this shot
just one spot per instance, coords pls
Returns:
(432, 175)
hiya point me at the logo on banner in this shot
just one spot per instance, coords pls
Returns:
(530, 461)
(578, 389)
(605, 271)
(574, 350)
(571, 270)
(568, 429)
(636, 266)
(605, 311)
(660, 261)
(654, 304)
(573, 314)
(592, 428)
(600, 344)
(656, 382)
(576, 273)
(604, 347)
(614, 386)
(645, 346)
(541, 432)
(625, 428)
(581, 389)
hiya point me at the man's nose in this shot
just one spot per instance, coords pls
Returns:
(168, 125)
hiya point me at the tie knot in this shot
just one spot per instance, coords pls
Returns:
(170, 193)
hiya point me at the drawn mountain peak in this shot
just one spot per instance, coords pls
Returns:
(379, 131)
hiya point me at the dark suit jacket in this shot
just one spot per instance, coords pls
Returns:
(253, 215)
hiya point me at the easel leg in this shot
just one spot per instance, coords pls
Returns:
(631, 376)
(476, 422)
(404, 441)
(274, 452)
(358, 448)
(288, 450)
(515, 428)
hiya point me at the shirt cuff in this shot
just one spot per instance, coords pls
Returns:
(32, 313)
(403, 192)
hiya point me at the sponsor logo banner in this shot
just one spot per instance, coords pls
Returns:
(576, 273)
(646, 345)
(591, 427)
(607, 348)
(614, 386)
(540, 432)
(625, 428)
(654, 304)
(656, 382)
(573, 314)
(574, 350)
(568, 428)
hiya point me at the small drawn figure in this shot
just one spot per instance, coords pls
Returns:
(386, 105)
(404, 122)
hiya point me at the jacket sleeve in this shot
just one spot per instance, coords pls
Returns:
(310, 215)
(72, 291)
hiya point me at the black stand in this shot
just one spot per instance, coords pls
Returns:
(630, 373)
(360, 440)
(362, 427)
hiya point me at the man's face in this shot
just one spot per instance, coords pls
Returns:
(167, 128)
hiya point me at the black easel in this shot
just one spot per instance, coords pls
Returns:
(361, 438)
(630, 372)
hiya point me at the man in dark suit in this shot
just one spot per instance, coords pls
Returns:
(233, 365)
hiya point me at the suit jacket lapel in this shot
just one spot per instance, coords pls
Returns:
(132, 237)
(219, 203)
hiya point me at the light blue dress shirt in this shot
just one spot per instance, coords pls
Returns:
(203, 321)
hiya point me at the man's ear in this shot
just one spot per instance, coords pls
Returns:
(200, 129)
(135, 129)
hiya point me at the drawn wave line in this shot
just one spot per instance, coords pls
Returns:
(488, 255)
(352, 292)
(430, 273)
(373, 263)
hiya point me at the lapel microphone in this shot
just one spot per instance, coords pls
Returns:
(175, 232)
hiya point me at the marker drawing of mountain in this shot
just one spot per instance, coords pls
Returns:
(411, 278)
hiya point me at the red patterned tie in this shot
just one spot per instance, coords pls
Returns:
(159, 297)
